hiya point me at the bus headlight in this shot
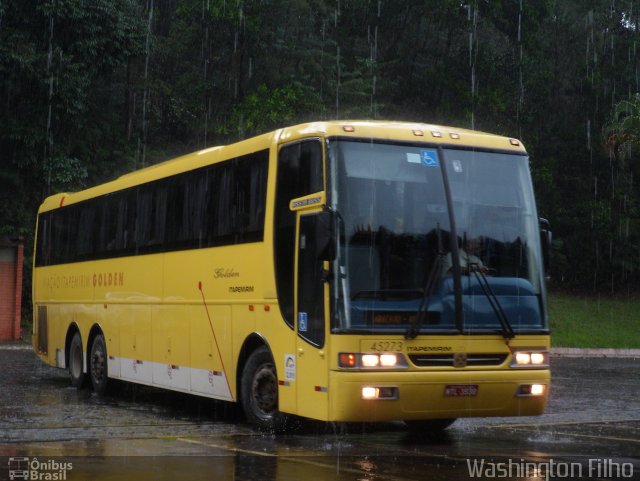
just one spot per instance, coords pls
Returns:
(530, 359)
(359, 360)
(370, 360)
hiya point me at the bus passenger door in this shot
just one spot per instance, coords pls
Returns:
(312, 376)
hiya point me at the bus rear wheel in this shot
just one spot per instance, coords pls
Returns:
(76, 362)
(98, 366)
(259, 389)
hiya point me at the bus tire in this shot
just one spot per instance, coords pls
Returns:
(98, 365)
(259, 389)
(76, 362)
(429, 428)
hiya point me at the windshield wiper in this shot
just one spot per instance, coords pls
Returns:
(432, 281)
(507, 330)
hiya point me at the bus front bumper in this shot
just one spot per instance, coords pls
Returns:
(435, 395)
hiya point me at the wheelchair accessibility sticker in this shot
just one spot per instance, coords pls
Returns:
(429, 158)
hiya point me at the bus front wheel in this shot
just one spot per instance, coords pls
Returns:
(259, 389)
(98, 365)
(76, 361)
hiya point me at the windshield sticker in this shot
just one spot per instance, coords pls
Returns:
(413, 158)
(457, 166)
(429, 158)
(302, 322)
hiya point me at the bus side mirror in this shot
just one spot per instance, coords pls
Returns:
(325, 231)
(545, 241)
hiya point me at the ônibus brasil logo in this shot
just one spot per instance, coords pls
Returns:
(33, 469)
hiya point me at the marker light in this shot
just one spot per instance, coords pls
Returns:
(436, 134)
(514, 141)
(418, 133)
(530, 358)
(454, 135)
(348, 128)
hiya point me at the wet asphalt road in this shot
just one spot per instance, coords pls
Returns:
(591, 430)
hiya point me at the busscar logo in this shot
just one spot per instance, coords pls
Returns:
(33, 469)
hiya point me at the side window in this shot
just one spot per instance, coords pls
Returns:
(64, 235)
(151, 210)
(250, 191)
(193, 203)
(220, 204)
(43, 249)
(299, 174)
(86, 231)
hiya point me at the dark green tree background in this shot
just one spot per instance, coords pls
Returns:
(90, 90)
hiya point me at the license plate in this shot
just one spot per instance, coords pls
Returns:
(458, 390)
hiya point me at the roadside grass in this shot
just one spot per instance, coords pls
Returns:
(594, 321)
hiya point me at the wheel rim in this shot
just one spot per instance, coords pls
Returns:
(264, 389)
(76, 362)
(97, 364)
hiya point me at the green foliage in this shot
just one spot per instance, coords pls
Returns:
(84, 101)
(594, 321)
(622, 131)
(267, 109)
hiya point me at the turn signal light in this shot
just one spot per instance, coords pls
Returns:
(346, 359)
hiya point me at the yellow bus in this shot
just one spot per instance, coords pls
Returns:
(341, 271)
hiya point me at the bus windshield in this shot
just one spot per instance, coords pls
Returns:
(394, 264)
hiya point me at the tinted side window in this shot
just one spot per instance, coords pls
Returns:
(250, 181)
(299, 174)
(219, 204)
(43, 249)
(151, 217)
(86, 231)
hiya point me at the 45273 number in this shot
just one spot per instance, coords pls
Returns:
(384, 346)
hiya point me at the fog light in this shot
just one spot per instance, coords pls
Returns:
(369, 392)
(531, 390)
(382, 392)
(537, 389)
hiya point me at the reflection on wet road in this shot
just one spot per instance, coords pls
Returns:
(591, 431)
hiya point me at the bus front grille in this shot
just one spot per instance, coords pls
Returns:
(449, 360)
